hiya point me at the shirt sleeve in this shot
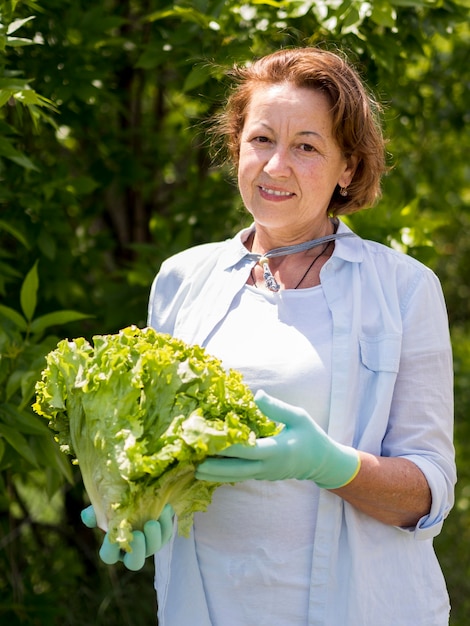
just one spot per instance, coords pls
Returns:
(161, 309)
(421, 419)
(172, 286)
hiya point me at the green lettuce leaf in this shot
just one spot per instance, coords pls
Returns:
(138, 411)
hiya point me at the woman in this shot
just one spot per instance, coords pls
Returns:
(330, 523)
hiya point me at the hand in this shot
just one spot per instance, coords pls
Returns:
(301, 450)
(155, 535)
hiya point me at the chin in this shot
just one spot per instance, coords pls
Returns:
(273, 216)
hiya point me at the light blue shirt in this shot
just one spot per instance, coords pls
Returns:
(391, 395)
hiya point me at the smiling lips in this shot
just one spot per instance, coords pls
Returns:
(275, 193)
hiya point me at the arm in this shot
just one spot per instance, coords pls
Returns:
(391, 490)
(415, 474)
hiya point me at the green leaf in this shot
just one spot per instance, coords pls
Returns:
(383, 14)
(22, 421)
(5, 95)
(56, 318)
(351, 20)
(28, 385)
(82, 185)
(29, 291)
(273, 3)
(14, 317)
(18, 443)
(197, 76)
(24, 162)
(151, 57)
(8, 151)
(414, 3)
(16, 24)
(16, 42)
(13, 383)
(184, 13)
(15, 232)
(29, 97)
(56, 463)
(13, 83)
(8, 271)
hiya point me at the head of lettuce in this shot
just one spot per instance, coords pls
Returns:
(138, 411)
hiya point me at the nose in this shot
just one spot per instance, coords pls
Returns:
(278, 163)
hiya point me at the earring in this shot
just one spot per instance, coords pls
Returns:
(343, 191)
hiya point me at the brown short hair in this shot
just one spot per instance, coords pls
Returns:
(356, 125)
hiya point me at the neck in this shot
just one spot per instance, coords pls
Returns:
(263, 240)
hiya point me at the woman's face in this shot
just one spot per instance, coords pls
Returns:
(289, 161)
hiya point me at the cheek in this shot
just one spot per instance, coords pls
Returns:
(247, 165)
(251, 162)
(246, 178)
(243, 183)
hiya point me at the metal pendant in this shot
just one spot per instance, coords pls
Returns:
(263, 259)
(269, 279)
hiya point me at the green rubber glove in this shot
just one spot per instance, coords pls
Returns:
(301, 450)
(155, 535)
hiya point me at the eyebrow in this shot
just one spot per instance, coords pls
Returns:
(299, 134)
(309, 132)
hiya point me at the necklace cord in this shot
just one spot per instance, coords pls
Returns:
(271, 288)
(299, 247)
(262, 259)
(313, 263)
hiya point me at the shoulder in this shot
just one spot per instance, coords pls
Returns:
(385, 276)
(401, 273)
(367, 252)
(387, 259)
(190, 259)
(180, 277)
(378, 258)
(180, 280)
(198, 262)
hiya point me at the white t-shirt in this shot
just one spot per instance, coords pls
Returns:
(281, 342)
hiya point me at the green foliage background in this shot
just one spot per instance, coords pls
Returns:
(105, 170)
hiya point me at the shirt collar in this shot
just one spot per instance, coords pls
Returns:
(347, 248)
(235, 250)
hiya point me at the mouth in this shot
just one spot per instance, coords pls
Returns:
(275, 193)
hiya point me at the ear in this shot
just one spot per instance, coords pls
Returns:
(349, 171)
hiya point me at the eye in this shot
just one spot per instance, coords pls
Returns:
(261, 139)
(307, 147)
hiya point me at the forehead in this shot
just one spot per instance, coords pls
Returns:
(285, 102)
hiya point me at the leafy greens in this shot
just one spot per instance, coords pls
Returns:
(138, 411)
